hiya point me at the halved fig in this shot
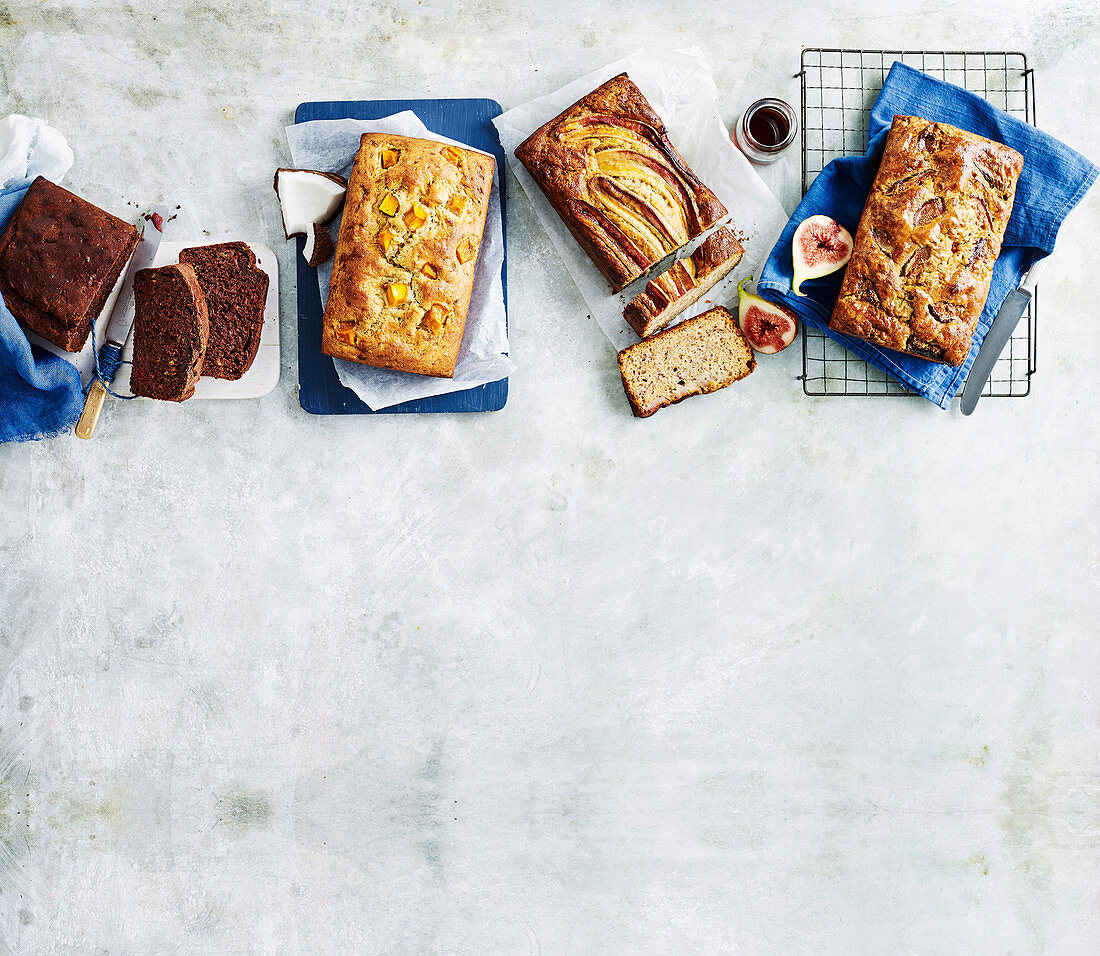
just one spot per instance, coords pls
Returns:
(769, 327)
(308, 199)
(821, 246)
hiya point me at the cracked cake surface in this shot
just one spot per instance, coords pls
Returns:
(928, 238)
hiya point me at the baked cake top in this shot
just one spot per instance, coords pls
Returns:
(607, 165)
(60, 250)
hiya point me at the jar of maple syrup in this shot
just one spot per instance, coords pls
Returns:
(765, 129)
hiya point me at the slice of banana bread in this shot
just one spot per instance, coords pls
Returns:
(235, 289)
(170, 333)
(697, 356)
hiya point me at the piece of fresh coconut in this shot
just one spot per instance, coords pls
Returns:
(309, 199)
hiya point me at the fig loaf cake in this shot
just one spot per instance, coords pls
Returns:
(235, 290)
(689, 279)
(609, 170)
(406, 253)
(927, 240)
(170, 333)
(700, 355)
(60, 256)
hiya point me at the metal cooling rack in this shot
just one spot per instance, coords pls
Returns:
(839, 87)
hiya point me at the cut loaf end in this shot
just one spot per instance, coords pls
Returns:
(685, 283)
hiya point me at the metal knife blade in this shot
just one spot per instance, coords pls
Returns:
(995, 340)
(120, 322)
(122, 316)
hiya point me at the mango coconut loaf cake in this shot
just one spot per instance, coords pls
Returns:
(414, 216)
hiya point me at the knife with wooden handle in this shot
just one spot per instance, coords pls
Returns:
(120, 323)
(996, 338)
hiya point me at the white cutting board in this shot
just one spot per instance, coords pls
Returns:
(260, 379)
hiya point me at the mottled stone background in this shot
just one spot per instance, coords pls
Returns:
(763, 674)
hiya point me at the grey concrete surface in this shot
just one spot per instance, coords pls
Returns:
(762, 674)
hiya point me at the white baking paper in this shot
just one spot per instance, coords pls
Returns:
(330, 146)
(680, 87)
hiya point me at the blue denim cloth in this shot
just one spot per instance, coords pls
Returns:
(40, 393)
(1053, 181)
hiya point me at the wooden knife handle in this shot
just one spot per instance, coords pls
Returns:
(93, 405)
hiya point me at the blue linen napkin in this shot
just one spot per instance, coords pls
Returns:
(40, 393)
(1055, 178)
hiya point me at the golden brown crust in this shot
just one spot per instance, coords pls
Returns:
(406, 254)
(607, 166)
(681, 286)
(60, 256)
(930, 233)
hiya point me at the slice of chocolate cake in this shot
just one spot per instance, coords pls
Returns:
(170, 333)
(235, 290)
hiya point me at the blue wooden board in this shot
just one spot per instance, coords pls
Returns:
(320, 392)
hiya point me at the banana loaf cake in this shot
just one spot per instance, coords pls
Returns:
(406, 253)
(700, 355)
(676, 290)
(60, 256)
(235, 290)
(927, 240)
(171, 329)
(607, 166)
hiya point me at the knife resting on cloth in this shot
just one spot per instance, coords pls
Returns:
(996, 338)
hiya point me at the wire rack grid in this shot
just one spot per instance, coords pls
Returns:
(839, 87)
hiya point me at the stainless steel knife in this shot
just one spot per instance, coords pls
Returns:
(121, 321)
(996, 338)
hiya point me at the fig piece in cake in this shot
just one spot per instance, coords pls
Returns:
(821, 246)
(768, 327)
(308, 200)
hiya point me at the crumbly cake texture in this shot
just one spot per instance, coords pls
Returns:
(171, 329)
(235, 290)
(700, 355)
(405, 257)
(607, 166)
(930, 233)
(689, 279)
(60, 256)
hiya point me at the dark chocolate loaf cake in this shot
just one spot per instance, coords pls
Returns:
(60, 256)
(170, 333)
(235, 290)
